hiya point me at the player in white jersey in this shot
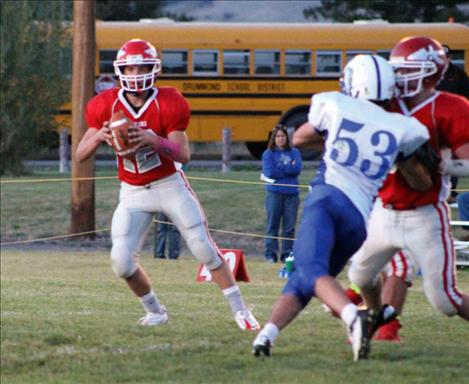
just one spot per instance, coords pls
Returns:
(362, 143)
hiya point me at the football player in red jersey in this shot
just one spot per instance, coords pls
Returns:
(150, 182)
(403, 219)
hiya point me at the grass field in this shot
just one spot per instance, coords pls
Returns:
(66, 319)
(32, 210)
(42, 209)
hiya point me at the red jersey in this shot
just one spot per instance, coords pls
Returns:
(446, 117)
(165, 111)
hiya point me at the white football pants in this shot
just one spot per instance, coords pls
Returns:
(426, 234)
(134, 214)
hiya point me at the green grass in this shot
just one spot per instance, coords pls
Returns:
(66, 319)
(38, 210)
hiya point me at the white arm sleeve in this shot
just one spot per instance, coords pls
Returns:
(317, 112)
(453, 167)
(415, 135)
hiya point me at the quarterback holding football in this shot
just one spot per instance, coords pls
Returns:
(146, 126)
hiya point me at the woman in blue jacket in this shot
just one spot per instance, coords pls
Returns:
(281, 165)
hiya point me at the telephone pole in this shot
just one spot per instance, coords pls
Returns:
(83, 205)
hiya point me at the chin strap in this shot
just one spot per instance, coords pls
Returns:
(134, 93)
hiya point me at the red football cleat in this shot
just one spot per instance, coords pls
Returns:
(354, 297)
(389, 332)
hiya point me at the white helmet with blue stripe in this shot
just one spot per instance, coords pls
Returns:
(368, 77)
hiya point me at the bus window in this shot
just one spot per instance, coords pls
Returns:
(266, 62)
(236, 62)
(352, 54)
(205, 62)
(457, 58)
(384, 54)
(275, 73)
(174, 61)
(297, 62)
(106, 60)
(328, 63)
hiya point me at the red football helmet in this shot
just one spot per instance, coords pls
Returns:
(137, 52)
(415, 59)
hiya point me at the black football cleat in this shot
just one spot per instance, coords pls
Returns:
(386, 314)
(360, 335)
(261, 346)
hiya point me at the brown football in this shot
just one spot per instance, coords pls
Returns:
(120, 125)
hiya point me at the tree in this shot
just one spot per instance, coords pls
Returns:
(33, 81)
(393, 11)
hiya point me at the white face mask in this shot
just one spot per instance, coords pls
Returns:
(410, 83)
(141, 81)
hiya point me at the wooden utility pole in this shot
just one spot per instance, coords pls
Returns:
(83, 209)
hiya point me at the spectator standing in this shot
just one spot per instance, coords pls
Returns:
(463, 206)
(455, 79)
(166, 233)
(463, 210)
(281, 165)
(166, 236)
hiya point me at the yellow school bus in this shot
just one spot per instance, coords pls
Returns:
(250, 77)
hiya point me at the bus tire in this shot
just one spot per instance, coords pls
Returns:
(256, 148)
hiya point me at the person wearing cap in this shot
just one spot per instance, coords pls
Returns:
(455, 79)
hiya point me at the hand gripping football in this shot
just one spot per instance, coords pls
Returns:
(120, 125)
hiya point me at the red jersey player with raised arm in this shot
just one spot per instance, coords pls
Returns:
(404, 219)
(150, 182)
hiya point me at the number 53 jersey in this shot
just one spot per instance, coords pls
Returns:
(165, 111)
(363, 142)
